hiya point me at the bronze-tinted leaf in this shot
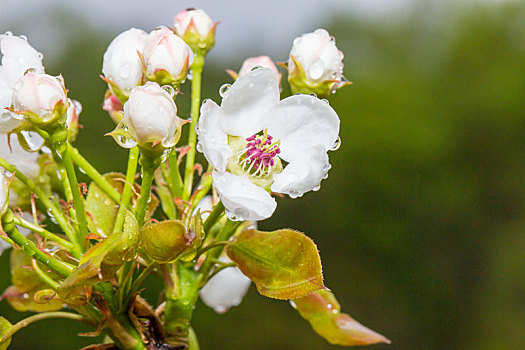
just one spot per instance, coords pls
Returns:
(4, 326)
(103, 210)
(283, 264)
(323, 312)
(165, 241)
(100, 263)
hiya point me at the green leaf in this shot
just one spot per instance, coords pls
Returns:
(283, 264)
(100, 263)
(103, 210)
(4, 326)
(165, 241)
(323, 311)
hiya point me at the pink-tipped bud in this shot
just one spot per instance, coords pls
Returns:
(40, 97)
(196, 28)
(167, 57)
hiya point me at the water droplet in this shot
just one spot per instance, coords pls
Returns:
(317, 187)
(39, 55)
(50, 213)
(125, 142)
(325, 101)
(223, 91)
(205, 100)
(220, 309)
(23, 37)
(29, 70)
(33, 140)
(19, 84)
(169, 89)
(29, 248)
(316, 70)
(199, 147)
(190, 75)
(293, 304)
(8, 33)
(161, 109)
(125, 71)
(256, 67)
(336, 144)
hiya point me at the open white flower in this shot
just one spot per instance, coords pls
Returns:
(122, 66)
(17, 57)
(252, 132)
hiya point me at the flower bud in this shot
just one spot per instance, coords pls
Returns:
(252, 62)
(73, 112)
(150, 116)
(113, 106)
(41, 98)
(197, 29)
(315, 64)
(167, 57)
(122, 66)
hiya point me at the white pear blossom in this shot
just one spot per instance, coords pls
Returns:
(150, 115)
(17, 57)
(252, 132)
(228, 287)
(122, 65)
(40, 94)
(197, 18)
(25, 162)
(259, 61)
(166, 54)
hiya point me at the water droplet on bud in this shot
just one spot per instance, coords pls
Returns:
(223, 91)
(190, 75)
(23, 37)
(316, 70)
(39, 55)
(8, 33)
(124, 71)
(336, 144)
(317, 187)
(169, 89)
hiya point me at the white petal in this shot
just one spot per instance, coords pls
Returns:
(18, 57)
(242, 199)
(247, 100)
(213, 142)
(302, 121)
(25, 162)
(304, 173)
(225, 289)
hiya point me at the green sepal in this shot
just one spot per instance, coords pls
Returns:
(283, 264)
(323, 311)
(300, 83)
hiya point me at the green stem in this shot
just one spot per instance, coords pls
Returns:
(30, 248)
(43, 276)
(44, 233)
(128, 188)
(212, 218)
(78, 200)
(38, 317)
(55, 211)
(149, 165)
(93, 174)
(174, 179)
(196, 68)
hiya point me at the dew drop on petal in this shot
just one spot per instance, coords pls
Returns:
(169, 89)
(316, 70)
(23, 37)
(199, 147)
(8, 33)
(124, 71)
(39, 55)
(33, 140)
(223, 90)
(293, 304)
(317, 187)
(190, 75)
(336, 144)
(325, 101)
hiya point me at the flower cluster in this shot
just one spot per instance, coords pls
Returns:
(90, 247)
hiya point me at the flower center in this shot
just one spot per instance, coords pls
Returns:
(258, 157)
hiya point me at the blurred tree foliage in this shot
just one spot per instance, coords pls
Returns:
(421, 222)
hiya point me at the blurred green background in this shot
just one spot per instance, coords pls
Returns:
(420, 224)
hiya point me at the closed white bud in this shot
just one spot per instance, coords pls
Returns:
(167, 57)
(41, 97)
(150, 116)
(122, 66)
(315, 64)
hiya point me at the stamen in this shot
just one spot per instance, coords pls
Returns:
(259, 154)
